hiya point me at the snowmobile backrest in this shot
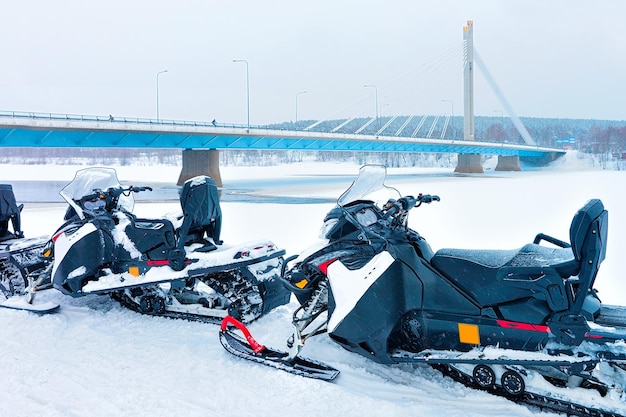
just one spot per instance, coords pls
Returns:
(588, 236)
(589, 230)
(199, 199)
(9, 211)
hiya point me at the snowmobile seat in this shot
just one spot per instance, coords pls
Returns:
(494, 277)
(9, 212)
(153, 237)
(202, 215)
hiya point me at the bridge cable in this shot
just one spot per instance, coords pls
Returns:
(514, 118)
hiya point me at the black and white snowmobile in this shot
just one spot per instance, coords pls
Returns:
(22, 268)
(526, 324)
(175, 266)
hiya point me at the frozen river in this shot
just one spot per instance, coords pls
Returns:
(283, 190)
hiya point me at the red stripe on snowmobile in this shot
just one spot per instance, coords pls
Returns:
(324, 267)
(159, 262)
(523, 326)
(56, 235)
(256, 346)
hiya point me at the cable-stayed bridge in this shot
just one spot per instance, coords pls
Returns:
(49, 130)
(201, 141)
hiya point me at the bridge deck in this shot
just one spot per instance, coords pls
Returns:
(72, 132)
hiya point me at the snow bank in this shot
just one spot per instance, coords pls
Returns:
(94, 358)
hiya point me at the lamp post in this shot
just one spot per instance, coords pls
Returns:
(380, 109)
(452, 115)
(157, 92)
(376, 95)
(247, 87)
(501, 133)
(297, 94)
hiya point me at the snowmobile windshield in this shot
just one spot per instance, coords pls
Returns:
(87, 181)
(369, 185)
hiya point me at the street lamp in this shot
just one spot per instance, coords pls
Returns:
(380, 109)
(247, 87)
(376, 94)
(501, 132)
(297, 94)
(157, 91)
(452, 115)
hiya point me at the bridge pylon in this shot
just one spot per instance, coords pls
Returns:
(472, 163)
(198, 162)
(469, 163)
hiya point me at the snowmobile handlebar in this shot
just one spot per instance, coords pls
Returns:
(427, 198)
(408, 202)
(136, 189)
(111, 196)
(395, 209)
(114, 192)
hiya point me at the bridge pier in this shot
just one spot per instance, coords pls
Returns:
(508, 163)
(469, 164)
(200, 162)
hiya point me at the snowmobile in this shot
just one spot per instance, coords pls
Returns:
(176, 266)
(22, 268)
(526, 324)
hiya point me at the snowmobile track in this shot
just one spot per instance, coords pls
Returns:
(534, 400)
(168, 314)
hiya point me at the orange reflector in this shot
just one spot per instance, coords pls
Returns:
(301, 284)
(133, 270)
(468, 333)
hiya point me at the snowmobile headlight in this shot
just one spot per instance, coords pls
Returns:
(366, 217)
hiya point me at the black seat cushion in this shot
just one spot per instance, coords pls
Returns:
(487, 275)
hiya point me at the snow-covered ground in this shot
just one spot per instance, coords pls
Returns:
(94, 358)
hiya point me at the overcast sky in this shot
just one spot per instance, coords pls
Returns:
(556, 58)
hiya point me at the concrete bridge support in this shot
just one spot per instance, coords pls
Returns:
(200, 162)
(469, 164)
(508, 163)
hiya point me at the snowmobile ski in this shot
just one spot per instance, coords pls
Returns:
(251, 350)
(21, 303)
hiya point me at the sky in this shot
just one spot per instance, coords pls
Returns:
(563, 58)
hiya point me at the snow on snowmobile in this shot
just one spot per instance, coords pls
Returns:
(22, 268)
(175, 266)
(526, 324)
